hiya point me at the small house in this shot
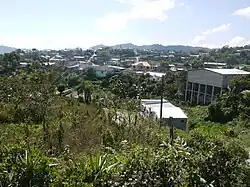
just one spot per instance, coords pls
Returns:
(151, 108)
(141, 66)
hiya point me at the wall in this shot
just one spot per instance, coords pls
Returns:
(101, 73)
(205, 77)
(227, 79)
(179, 123)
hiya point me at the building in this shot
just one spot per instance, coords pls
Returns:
(57, 59)
(152, 109)
(153, 75)
(141, 66)
(204, 85)
(214, 65)
(104, 71)
(79, 58)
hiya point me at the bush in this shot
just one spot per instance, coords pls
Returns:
(21, 167)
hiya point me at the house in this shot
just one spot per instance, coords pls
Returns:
(214, 65)
(204, 85)
(116, 68)
(141, 66)
(83, 65)
(103, 71)
(57, 58)
(194, 56)
(24, 64)
(151, 108)
(79, 58)
(156, 75)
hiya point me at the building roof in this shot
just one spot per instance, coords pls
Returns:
(74, 66)
(229, 71)
(155, 74)
(117, 67)
(168, 109)
(215, 63)
(141, 63)
(79, 57)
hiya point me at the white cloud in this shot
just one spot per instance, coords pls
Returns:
(244, 12)
(198, 40)
(238, 41)
(201, 40)
(221, 28)
(140, 9)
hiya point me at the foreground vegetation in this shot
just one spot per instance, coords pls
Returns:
(49, 139)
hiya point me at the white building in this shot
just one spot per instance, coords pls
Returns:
(57, 59)
(154, 75)
(204, 85)
(141, 66)
(152, 109)
(214, 65)
(79, 58)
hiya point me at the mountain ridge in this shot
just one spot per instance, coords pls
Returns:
(176, 48)
(6, 49)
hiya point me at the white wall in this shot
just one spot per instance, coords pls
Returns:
(179, 123)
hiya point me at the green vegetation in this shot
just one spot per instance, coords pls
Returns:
(99, 138)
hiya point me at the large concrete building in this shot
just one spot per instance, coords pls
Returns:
(204, 85)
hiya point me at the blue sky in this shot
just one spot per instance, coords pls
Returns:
(84, 23)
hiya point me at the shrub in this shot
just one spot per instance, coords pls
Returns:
(24, 167)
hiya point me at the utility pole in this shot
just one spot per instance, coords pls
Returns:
(120, 55)
(171, 130)
(162, 91)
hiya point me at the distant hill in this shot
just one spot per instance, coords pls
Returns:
(98, 47)
(5, 49)
(159, 47)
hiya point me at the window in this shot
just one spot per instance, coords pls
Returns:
(202, 88)
(196, 87)
(182, 121)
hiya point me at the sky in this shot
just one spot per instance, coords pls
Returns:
(53, 24)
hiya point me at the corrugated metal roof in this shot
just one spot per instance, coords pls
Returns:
(146, 64)
(168, 109)
(155, 74)
(215, 63)
(229, 71)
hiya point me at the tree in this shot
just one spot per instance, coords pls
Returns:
(197, 64)
(91, 74)
(240, 84)
(10, 62)
(88, 88)
(73, 81)
(61, 89)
